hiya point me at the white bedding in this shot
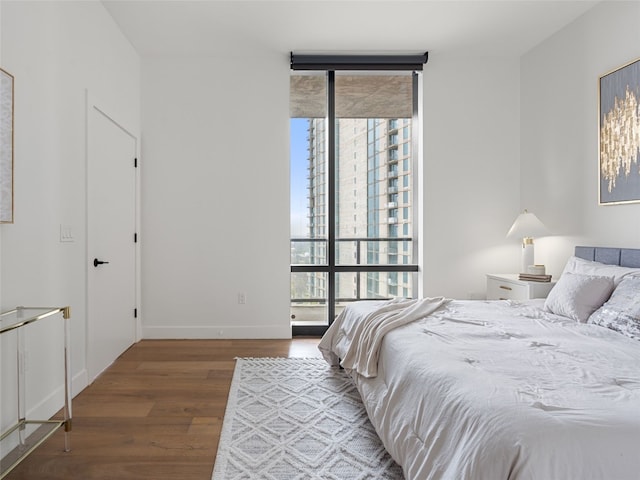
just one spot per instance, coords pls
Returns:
(370, 330)
(501, 390)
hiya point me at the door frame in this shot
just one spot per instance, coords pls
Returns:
(93, 103)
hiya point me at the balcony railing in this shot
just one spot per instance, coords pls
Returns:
(358, 241)
(313, 259)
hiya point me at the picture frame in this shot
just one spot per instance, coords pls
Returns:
(619, 135)
(6, 146)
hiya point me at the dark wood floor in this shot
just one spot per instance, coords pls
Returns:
(156, 413)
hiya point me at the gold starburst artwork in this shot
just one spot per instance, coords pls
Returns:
(620, 139)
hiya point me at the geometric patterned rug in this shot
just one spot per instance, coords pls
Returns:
(295, 419)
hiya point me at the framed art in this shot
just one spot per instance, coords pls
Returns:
(619, 135)
(6, 147)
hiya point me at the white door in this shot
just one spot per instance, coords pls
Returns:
(111, 205)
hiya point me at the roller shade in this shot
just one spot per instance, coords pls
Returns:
(358, 62)
(370, 94)
(357, 96)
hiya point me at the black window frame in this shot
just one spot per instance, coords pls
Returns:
(331, 64)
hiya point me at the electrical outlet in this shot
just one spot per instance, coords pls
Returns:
(242, 298)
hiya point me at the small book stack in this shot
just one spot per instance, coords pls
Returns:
(530, 277)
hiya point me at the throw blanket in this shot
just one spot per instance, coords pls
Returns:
(367, 335)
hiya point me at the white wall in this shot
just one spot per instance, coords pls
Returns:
(471, 172)
(559, 131)
(215, 183)
(215, 196)
(56, 50)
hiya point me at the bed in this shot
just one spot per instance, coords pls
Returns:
(543, 389)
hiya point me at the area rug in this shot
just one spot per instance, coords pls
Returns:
(295, 419)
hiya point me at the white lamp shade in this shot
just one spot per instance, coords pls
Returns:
(527, 225)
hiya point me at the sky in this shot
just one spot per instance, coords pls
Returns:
(299, 158)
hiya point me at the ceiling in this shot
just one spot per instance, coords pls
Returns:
(210, 27)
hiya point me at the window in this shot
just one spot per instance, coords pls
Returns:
(348, 123)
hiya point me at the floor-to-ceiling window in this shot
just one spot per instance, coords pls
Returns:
(354, 145)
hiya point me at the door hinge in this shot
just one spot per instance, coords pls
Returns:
(135, 313)
(135, 163)
(135, 238)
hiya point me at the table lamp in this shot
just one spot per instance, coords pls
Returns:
(527, 226)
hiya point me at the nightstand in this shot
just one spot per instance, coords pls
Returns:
(506, 286)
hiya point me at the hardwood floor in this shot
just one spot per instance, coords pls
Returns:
(156, 413)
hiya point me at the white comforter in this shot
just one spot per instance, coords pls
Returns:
(501, 390)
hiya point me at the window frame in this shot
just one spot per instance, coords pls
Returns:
(331, 268)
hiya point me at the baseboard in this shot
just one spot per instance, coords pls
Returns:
(48, 406)
(79, 382)
(218, 332)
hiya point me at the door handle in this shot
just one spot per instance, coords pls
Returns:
(97, 262)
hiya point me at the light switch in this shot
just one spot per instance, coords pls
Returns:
(66, 233)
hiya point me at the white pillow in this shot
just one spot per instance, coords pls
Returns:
(578, 296)
(587, 267)
(622, 311)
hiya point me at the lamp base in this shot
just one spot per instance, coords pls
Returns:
(527, 255)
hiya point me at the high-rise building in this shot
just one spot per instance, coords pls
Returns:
(373, 205)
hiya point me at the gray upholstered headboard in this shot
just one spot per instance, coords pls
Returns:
(625, 257)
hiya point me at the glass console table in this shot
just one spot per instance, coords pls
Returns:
(26, 435)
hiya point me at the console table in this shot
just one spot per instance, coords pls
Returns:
(26, 434)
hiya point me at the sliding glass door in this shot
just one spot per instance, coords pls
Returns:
(353, 191)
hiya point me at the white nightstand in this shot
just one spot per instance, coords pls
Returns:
(506, 286)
